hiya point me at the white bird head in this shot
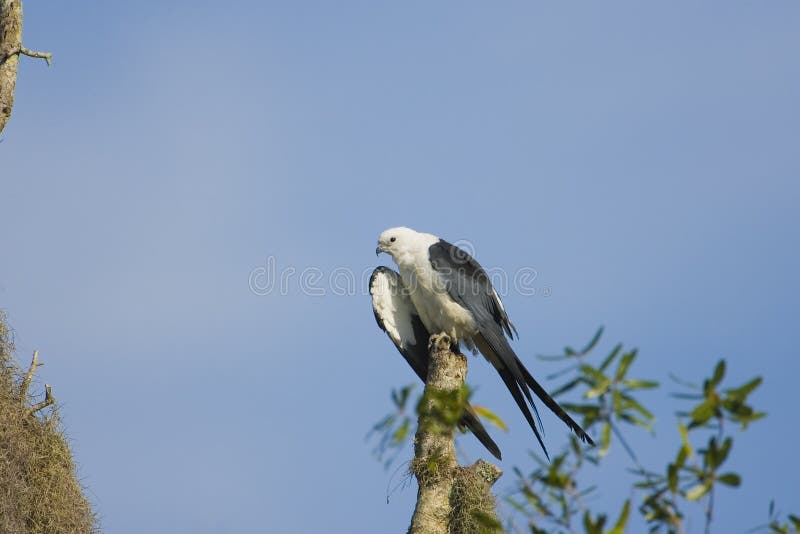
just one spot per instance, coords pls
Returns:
(397, 241)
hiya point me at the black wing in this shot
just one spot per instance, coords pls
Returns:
(468, 284)
(396, 315)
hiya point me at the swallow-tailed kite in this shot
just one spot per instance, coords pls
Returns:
(451, 293)
(397, 316)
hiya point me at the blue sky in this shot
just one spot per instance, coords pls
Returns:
(642, 158)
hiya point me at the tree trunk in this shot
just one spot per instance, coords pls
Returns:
(10, 46)
(450, 499)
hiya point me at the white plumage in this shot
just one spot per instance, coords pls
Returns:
(451, 293)
(393, 305)
(397, 316)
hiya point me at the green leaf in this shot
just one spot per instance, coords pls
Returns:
(561, 372)
(646, 484)
(795, 521)
(593, 527)
(442, 409)
(616, 401)
(583, 409)
(742, 392)
(753, 417)
(687, 396)
(601, 382)
(490, 416)
(399, 398)
(630, 402)
(697, 492)
(719, 373)
(402, 431)
(605, 439)
(716, 455)
(593, 341)
(598, 390)
(619, 526)
(566, 387)
(547, 358)
(536, 502)
(711, 454)
(730, 479)
(685, 439)
(701, 414)
(610, 358)
(591, 372)
(518, 506)
(722, 455)
(680, 460)
(485, 520)
(628, 418)
(624, 363)
(672, 477)
(640, 384)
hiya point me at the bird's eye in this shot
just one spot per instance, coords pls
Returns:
(392, 239)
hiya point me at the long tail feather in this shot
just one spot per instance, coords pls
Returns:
(514, 388)
(551, 403)
(471, 421)
(519, 381)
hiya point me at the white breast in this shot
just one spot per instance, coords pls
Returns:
(437, 310)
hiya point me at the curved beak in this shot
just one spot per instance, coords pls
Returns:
(378, 250)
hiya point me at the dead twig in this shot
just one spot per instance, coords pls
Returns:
(26, 382)
(47, 56)
(48, 400)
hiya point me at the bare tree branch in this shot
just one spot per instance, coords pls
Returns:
(26, 382)
(10, 50)
(48, 400)
(47, 56)
(10, 43)
(434, 450)
(450, 499)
